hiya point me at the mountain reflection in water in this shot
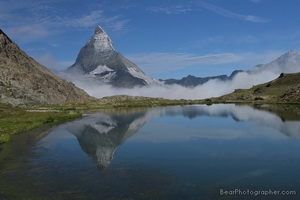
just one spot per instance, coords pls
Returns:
(100, 134)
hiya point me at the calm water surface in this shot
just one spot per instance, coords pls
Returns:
(182, 152)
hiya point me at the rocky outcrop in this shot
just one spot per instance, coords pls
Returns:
(25, 81)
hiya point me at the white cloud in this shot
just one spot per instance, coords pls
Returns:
(31, 20)
(28, 32)
(116, 23)
(252, 59)
(222, 40)
(51, 63)
(89, 20)
(230, 14)
(175, 9)
(183, 8)
(94, 18)
(163, 62)
(166, 62)
(212, 88)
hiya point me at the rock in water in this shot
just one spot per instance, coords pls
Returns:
(23, 80)
(99, 60)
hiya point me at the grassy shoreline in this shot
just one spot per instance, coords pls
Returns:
(14, 120)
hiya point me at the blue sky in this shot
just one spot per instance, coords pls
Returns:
(165, 38)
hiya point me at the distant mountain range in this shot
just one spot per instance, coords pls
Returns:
(25, 81)
(193, 81)
(287, 63)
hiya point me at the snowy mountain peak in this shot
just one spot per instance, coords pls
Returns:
(289, 54)
(286, 63)
(101, 41)
(99, 62)
(292, 53)
(98, 30)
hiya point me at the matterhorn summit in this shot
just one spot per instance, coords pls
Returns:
(101, 41)
(99, 62)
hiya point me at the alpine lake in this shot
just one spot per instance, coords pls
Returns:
(220, 151)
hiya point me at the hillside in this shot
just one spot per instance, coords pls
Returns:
(25, 81)
(284, 89)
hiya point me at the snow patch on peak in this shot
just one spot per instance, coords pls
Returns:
(101, 69)
(98, 30)
(102, 72)
(139, 74)
(101, 41)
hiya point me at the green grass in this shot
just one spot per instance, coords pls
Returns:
(14, 120)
